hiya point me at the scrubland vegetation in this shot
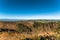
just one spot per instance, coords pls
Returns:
(35, 30)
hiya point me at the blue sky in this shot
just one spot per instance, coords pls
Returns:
(29, 9)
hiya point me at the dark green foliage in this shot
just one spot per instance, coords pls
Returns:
(46, 38)
(58, 30)
(24, 28)
(36, 24)
(28, 39)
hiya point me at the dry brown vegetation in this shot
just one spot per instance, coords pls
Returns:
(29, 29)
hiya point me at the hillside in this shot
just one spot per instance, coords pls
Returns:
(32, 29)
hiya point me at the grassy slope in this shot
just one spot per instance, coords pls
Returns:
(37, 31)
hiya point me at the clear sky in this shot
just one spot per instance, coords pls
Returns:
(29, 9)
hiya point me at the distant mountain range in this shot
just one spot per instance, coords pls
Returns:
(29, 19)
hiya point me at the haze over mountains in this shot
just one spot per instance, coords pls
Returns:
(29, 19)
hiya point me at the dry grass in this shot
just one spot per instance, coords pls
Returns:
(20, 36)
(14, 36)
